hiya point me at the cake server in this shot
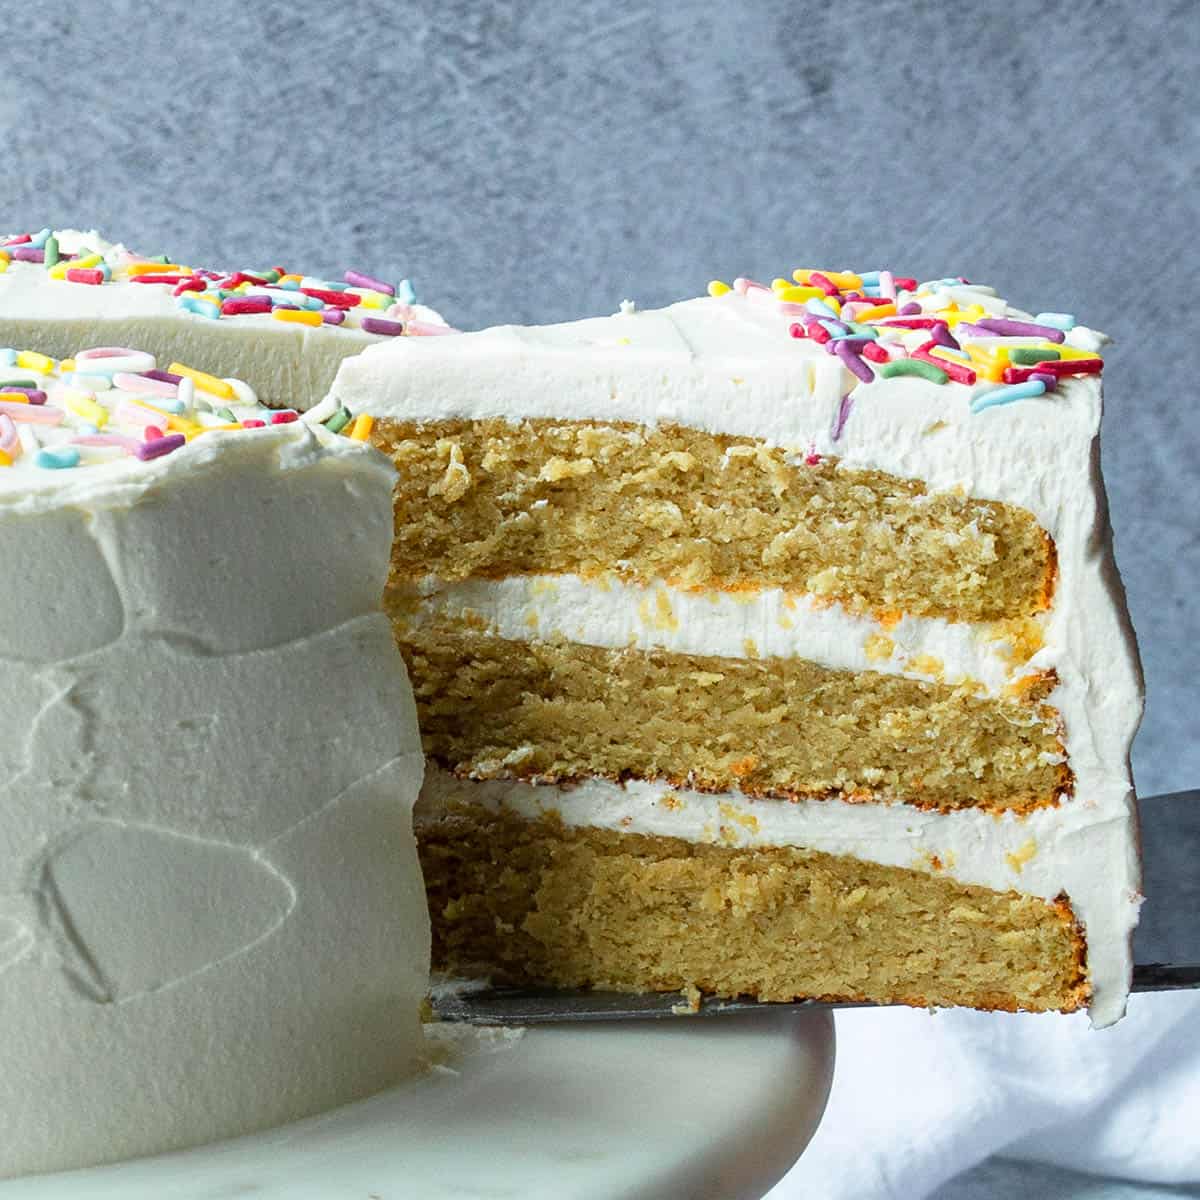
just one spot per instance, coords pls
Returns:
(1170, 848)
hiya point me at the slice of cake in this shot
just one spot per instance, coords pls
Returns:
(283, 332)
(769, 643)
(211, 913)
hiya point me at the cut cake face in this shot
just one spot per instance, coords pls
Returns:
(779, 619)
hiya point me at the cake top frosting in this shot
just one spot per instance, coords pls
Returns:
(110, 408)
(84, 262)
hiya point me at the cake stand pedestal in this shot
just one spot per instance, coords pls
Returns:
(701, 1108)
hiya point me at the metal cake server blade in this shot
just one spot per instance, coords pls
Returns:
(1170, 827)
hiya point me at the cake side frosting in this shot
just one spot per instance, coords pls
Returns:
(195, 756)
(971, 412)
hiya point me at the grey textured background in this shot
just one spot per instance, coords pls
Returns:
(542, 160)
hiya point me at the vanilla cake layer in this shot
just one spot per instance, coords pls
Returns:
(211, 911)
(532, 899)
(700, 510)
(763, 365)
(782, 727)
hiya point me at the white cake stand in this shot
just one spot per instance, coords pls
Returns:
(716, 1107)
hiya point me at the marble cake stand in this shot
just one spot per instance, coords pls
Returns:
(715, 1107)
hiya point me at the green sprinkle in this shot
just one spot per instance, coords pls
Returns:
(338, 421)
(867, 331)
(1028, 356)
(226, 414)
(913, 366)
(201, 405)
(51, 251)
(19, 383)
(157, 258)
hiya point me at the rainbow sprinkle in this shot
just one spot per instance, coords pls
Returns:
(944, 331)
(219, 295)
(111, 403)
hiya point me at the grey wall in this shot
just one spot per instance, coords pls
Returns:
(541, 160)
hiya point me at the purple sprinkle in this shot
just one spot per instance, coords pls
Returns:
(33, 395)
(358, 279)
(911, 309)
(853, 360)
(379, 325)
(1051, 381)
(1006, 328)
(941, 334)
(27, 254)
(162, 376)
(843, 415)
(160, 446)
(333, 316)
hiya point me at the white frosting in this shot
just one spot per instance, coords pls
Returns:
(767, 624)
(285, 363)
(211, 913)
(728, 366)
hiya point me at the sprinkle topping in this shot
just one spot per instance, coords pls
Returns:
(111, 403)
(945, 331)
(360, 302)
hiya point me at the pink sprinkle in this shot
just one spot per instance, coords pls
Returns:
(333, 316)
(742, 285)
(9, 438)
(20, 239)
(843, 414)
(383, 326)
(812, 458)
(797, 330)
(911, 309)
(887, 286)
(284, 418)
(153, 278)
(358, 279)
(91, 275)
(107, 439)
(428, 329)
(28, 254)
(33, 414)
(128, 381)
(253, 423)
(159, 446)
(152, 433)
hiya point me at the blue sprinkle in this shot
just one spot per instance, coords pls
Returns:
(57, 459)
(8, 358)
(869, 278)
(1062, 321)
(1006, 394)
(405, 292)
(835, 329)
(293, 297)
(164, 404)
(39, 238)
(819, 308)
(199, 307)
(288, 285)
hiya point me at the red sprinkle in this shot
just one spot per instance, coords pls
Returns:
(875, 352)
(812, 458)
(904, 283)
(333, 299)
(190, 283)
(245, 304)
(253, 423)
(284, 418)
(85, 275)
(152, 433)
(797, 330)
(959, 372)
(816, 279)
(158, 278)
(908, 322)
(19, 240)
(1058, 368)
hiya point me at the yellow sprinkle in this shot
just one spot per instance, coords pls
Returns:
(833, 303)
(798, 295)
(5, 458)
(877, 311)
(3, 264)
(82, 405)
(152, 268)
(842, 279)
(372, 299)
(290, 278)
(216, 428)
(362, 427)
(779, 284)
(189, 429)
(66, 366)
(59, 270)
(717, 288)
(88, 260)
(298, 316)
(205, 382)
(31, 360)
(4, 256)
(1072, 352)
(13, 397)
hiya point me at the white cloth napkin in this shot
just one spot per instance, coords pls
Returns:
(919, 1097)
